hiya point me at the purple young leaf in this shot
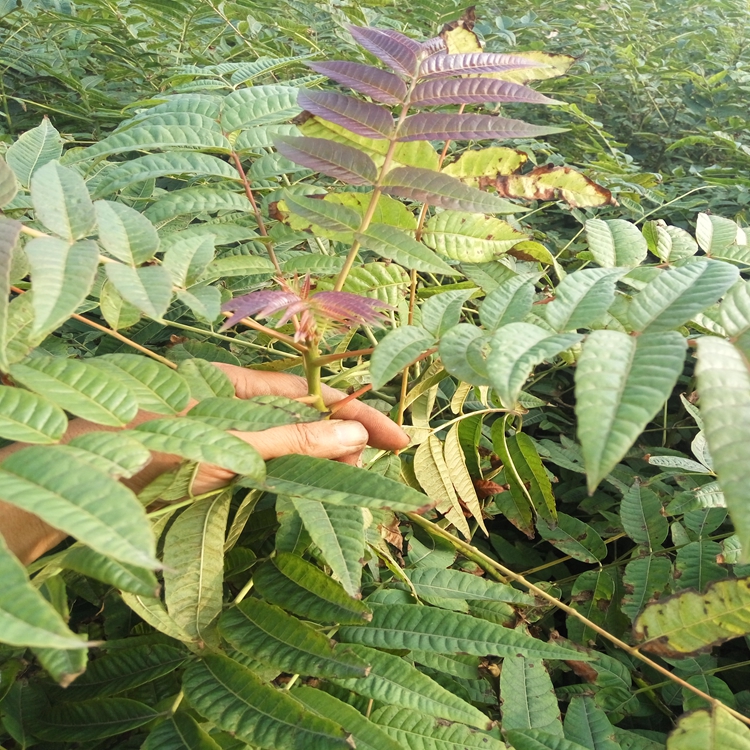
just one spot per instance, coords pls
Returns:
(345, 306)
(433, 46)
(469, 63)
(367, 79)
(444, 191)
(434, 126)
(396, 50)
(262, 303)
(441, 91)
(362, 118)
(336, 160)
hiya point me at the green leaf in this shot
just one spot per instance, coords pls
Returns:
(253, 414)
(536, 739)
(29, 418)
(724, 386)
(301, 588)
(413, 730)
(715, 233)
(696, 566)
(643, 578)
(582, 298)
(195, 200)
(157, 388)
(198, 441)
(641, 517)
(152, 611)
(464, 352)
(79, 388)
(621, 383)
(94, 719)
(194, 566)
(92, 564)
(397, 350)
(528, 698)
(453, 584)
(407, 626)
(525, 473)
(390, 242)
(34, 149)
(26, 617)
(258, 105)
(124, 669)
(62, 275)
(115, 453)
(115, 310)
(514, 351)
(395, 681)
(150, 136)
(588, 725)
(614, 242)
(125, 234)
(61, 201)
(442, 312)
(235, 700)
(124, 174)
(268, 634)
(10, 231)
(205, 379)
(338, 484)
(149, 289)
(179, 732)
(187, 261)
(678, 294)
(339, 533)
(575, 538)
(63, 665)
(366, 734)
(691, 622)
(470, 238)
(8, 183)
(321, 216)
(510, 302)
(674, 244)
(239, 265)
(71, 496)
(704, 730)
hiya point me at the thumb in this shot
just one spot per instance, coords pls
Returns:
(333, 438)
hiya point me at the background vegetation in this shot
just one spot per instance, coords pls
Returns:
(655, 114)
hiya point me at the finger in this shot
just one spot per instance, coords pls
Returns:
(383, 432)
(336, 439)
(333, 438)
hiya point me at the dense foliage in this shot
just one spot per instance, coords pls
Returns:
(551, 563)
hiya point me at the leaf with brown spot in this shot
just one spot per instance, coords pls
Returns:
(548, 183)
(691, 622)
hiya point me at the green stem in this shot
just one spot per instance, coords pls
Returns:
(313, 367)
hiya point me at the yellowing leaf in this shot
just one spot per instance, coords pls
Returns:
(455, 460)
(550, 183)
(489, 162)
(433, 474)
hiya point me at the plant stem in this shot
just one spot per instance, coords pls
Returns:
(500, 572)
(250, 323)
(328, 358)
(312, 374)
(377, 190)
(258, 216)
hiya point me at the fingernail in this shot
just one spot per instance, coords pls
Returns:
(351, 434)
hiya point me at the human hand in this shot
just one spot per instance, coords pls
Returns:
(355, 426)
